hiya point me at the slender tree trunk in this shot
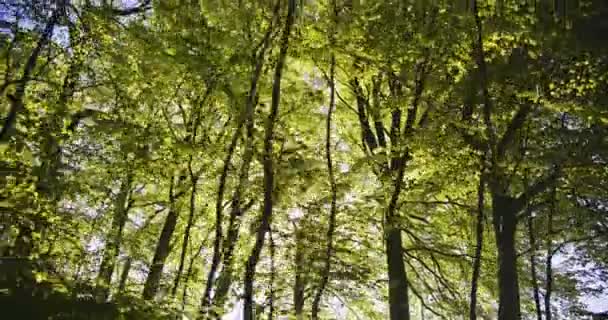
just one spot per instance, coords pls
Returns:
(226, 277)
(162, 250)
(397, 276)
(266, 218)
(185, 241)
(334, 194)
(47, 173)
(299, 285)
(505, 225)
(249, 111)
(549, 259)
(478, 246)
(534, 276)
(114, 239)
(189, 274)
(124, 276)
(16, 100)
(224, 280)
(271, 292)
(219, 205)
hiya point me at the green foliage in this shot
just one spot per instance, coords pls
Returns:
(133, 115)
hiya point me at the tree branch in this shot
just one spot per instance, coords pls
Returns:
(516, 123)
(540, 186)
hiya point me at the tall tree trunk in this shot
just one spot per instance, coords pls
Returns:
(248, 114)
(47, 173)
(271, 291)
(114, 239)
(334, 194)
(505, 225)
(532, 240)
(186, 239)
(397, 278)
(549, 259)
(224, 280)
(16, 100)
(162, 249)
(124, 276)
(478, 246)
(503, 209)
(226, 277)
(299, 285)
(398, 290)
(266, 218)
(189, 273)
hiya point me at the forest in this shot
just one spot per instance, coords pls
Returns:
(304, 159)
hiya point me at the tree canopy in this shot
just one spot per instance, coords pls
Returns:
(296, 159)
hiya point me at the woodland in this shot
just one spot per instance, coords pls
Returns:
(304, 159)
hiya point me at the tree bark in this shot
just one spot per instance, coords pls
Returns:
(48, 176)
(248, 114)
(397, 276)
(334, 195)
(224, 280)
(16, 100)
(186, 239)
(532, 239)
(299, 285)
(189, 273)
(367, 135)
(124, 276)
(114, 239)
(549, 259)
(505, 225)
(266, 218)
(162, 249)
(271, 292)
(478, 246)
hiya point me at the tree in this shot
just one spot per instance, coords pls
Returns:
(324, 159)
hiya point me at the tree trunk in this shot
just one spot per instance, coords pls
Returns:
(266, 218)
(534, 276)
(162, 250)
(299, 285)
(248, 114)
(189, 273)
(505, 225)
(334, 194)
(397, 277)
(114, 240)
(271, 291)
(47, 173)
(182, 260)
(16, 100)
(124, 276)
(224, 280)
(549, 260)
(478, 247)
